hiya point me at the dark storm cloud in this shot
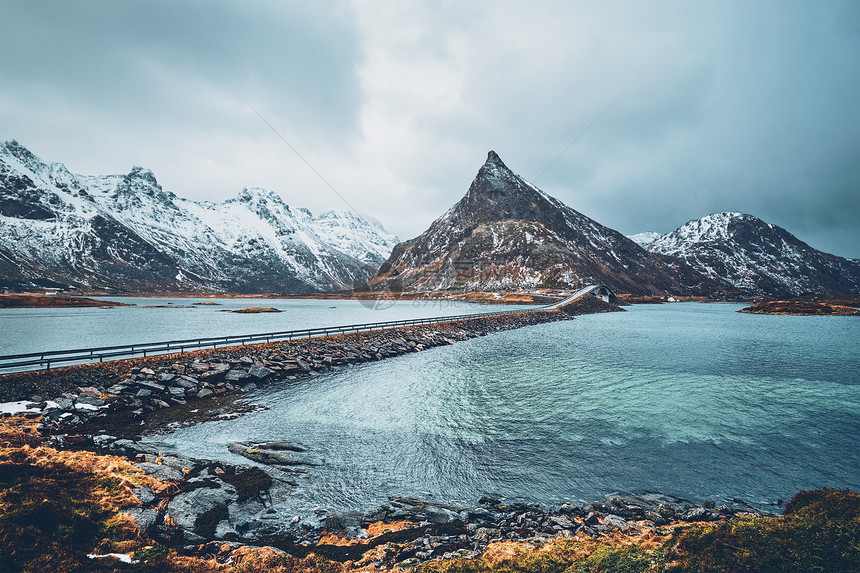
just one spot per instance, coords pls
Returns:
(741, 106)
(752, 109)
(103, 85)
(736, 106)
(141, 57)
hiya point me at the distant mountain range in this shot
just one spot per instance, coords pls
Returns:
(505, 233)
(125, 233)
(745, 253)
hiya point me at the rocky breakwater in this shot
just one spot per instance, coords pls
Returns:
(111, 395)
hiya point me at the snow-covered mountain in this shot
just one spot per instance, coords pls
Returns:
(124, 232)
(745, 253)
(644, 239)
(505, 233)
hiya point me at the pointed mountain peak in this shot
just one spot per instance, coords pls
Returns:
(138, 172)
(496, 172)
(497, 194)
(495, 177)
(11, 144)
(258, 195)
(14, 149)
(493, 158)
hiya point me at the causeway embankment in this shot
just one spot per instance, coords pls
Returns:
(141, 386)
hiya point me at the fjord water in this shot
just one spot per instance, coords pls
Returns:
(26, 330)
(693, 400)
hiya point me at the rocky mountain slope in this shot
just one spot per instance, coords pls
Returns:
(124, 232)
(505, 233)
(745, 253)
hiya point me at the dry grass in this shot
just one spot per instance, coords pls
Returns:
(268, 560)
(557, 556)
(373, 530)
(55, 506)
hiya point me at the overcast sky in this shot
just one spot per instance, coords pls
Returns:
(749, 106)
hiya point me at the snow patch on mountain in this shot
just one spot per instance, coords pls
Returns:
(644, 239)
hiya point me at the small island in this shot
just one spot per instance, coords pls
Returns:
(800, 308)
(255, 309)
(40, 300)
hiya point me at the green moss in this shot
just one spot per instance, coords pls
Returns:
(820, 531)
(616, 560)
(565, 557)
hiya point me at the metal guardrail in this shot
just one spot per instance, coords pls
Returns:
(37, 360)
(47, 359)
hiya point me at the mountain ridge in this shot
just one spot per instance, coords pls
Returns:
(747, 253)
(126, 233)
(505, 233)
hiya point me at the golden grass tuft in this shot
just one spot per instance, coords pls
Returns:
(269, 560)
(373, 530)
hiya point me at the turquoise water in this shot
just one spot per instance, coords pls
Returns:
(24, 330)
(693, 400)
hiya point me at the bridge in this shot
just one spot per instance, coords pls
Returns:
(602, 292)
(53, 358)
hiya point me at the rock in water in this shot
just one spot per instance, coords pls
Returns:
(274, 453)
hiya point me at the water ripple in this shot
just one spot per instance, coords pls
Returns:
(692, 400)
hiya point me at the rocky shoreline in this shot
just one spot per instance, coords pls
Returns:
(211, 506)
(215, 512)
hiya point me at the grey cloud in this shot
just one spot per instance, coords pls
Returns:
(172, 62)
(710, 107)
(747, 107)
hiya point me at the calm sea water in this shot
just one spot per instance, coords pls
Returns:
(24, 330)
(693, 400)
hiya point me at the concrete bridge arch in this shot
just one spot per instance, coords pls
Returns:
(602, 292)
